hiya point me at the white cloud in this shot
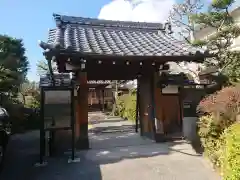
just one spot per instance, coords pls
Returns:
(116, 10)
(137, 10)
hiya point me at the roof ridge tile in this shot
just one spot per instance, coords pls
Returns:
(63, 19)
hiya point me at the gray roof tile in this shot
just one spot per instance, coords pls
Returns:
(63, 79)
(117, 38)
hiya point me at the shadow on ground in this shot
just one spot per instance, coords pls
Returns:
(112, 129)
(107, 148)
(197, 145)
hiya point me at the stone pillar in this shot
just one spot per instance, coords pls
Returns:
(82, 113)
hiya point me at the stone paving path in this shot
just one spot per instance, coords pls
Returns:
(114, 156)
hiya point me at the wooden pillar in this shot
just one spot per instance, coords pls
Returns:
(103, 101)
(42, 131)
(153, 104)
(73, 124)
(145, 103)
(82, 113)
(137, 107)
(159, 134)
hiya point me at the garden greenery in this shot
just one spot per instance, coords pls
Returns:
(219, 130)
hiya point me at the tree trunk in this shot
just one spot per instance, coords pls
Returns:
(191, 33)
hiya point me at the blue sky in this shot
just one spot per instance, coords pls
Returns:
(30, 20)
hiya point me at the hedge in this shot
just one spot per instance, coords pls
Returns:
(230, 158)
(219, 130)
(210, 136)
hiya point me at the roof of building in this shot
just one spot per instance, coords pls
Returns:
(64, 79)
(60, 80)
(90, 37)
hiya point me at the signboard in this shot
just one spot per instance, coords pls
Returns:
(189, 109)
(57, 97)
(170, 89)
(187, 105)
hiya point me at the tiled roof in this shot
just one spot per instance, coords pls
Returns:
(64, 79)
(115, 38)
(60, 80)
(62, 19)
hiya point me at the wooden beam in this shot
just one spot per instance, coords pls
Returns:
(158, 59)
(107, 70)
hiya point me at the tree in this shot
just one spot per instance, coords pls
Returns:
(43, 68)
(13, 65)
(28, 88)
(220, 20)
(180, 18)
(116, 84)
(184, 28)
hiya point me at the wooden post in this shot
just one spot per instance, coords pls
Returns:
(82, 109)
(73, 123)
(103, 101)
(153, 106)
(137, 108)
(180, 100)
(159, 133)
(145, 106)
(42, 128)
(98, 91)
(51, 142)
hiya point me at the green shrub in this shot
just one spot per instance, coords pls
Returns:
(126, 106)
(221, 110)
(223, 105)
(210, 136)
(230, 158)
(130, 107)
(121, 105)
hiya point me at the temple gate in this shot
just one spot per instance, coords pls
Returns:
(94, 49)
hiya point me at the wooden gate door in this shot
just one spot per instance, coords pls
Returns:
(171, 114)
